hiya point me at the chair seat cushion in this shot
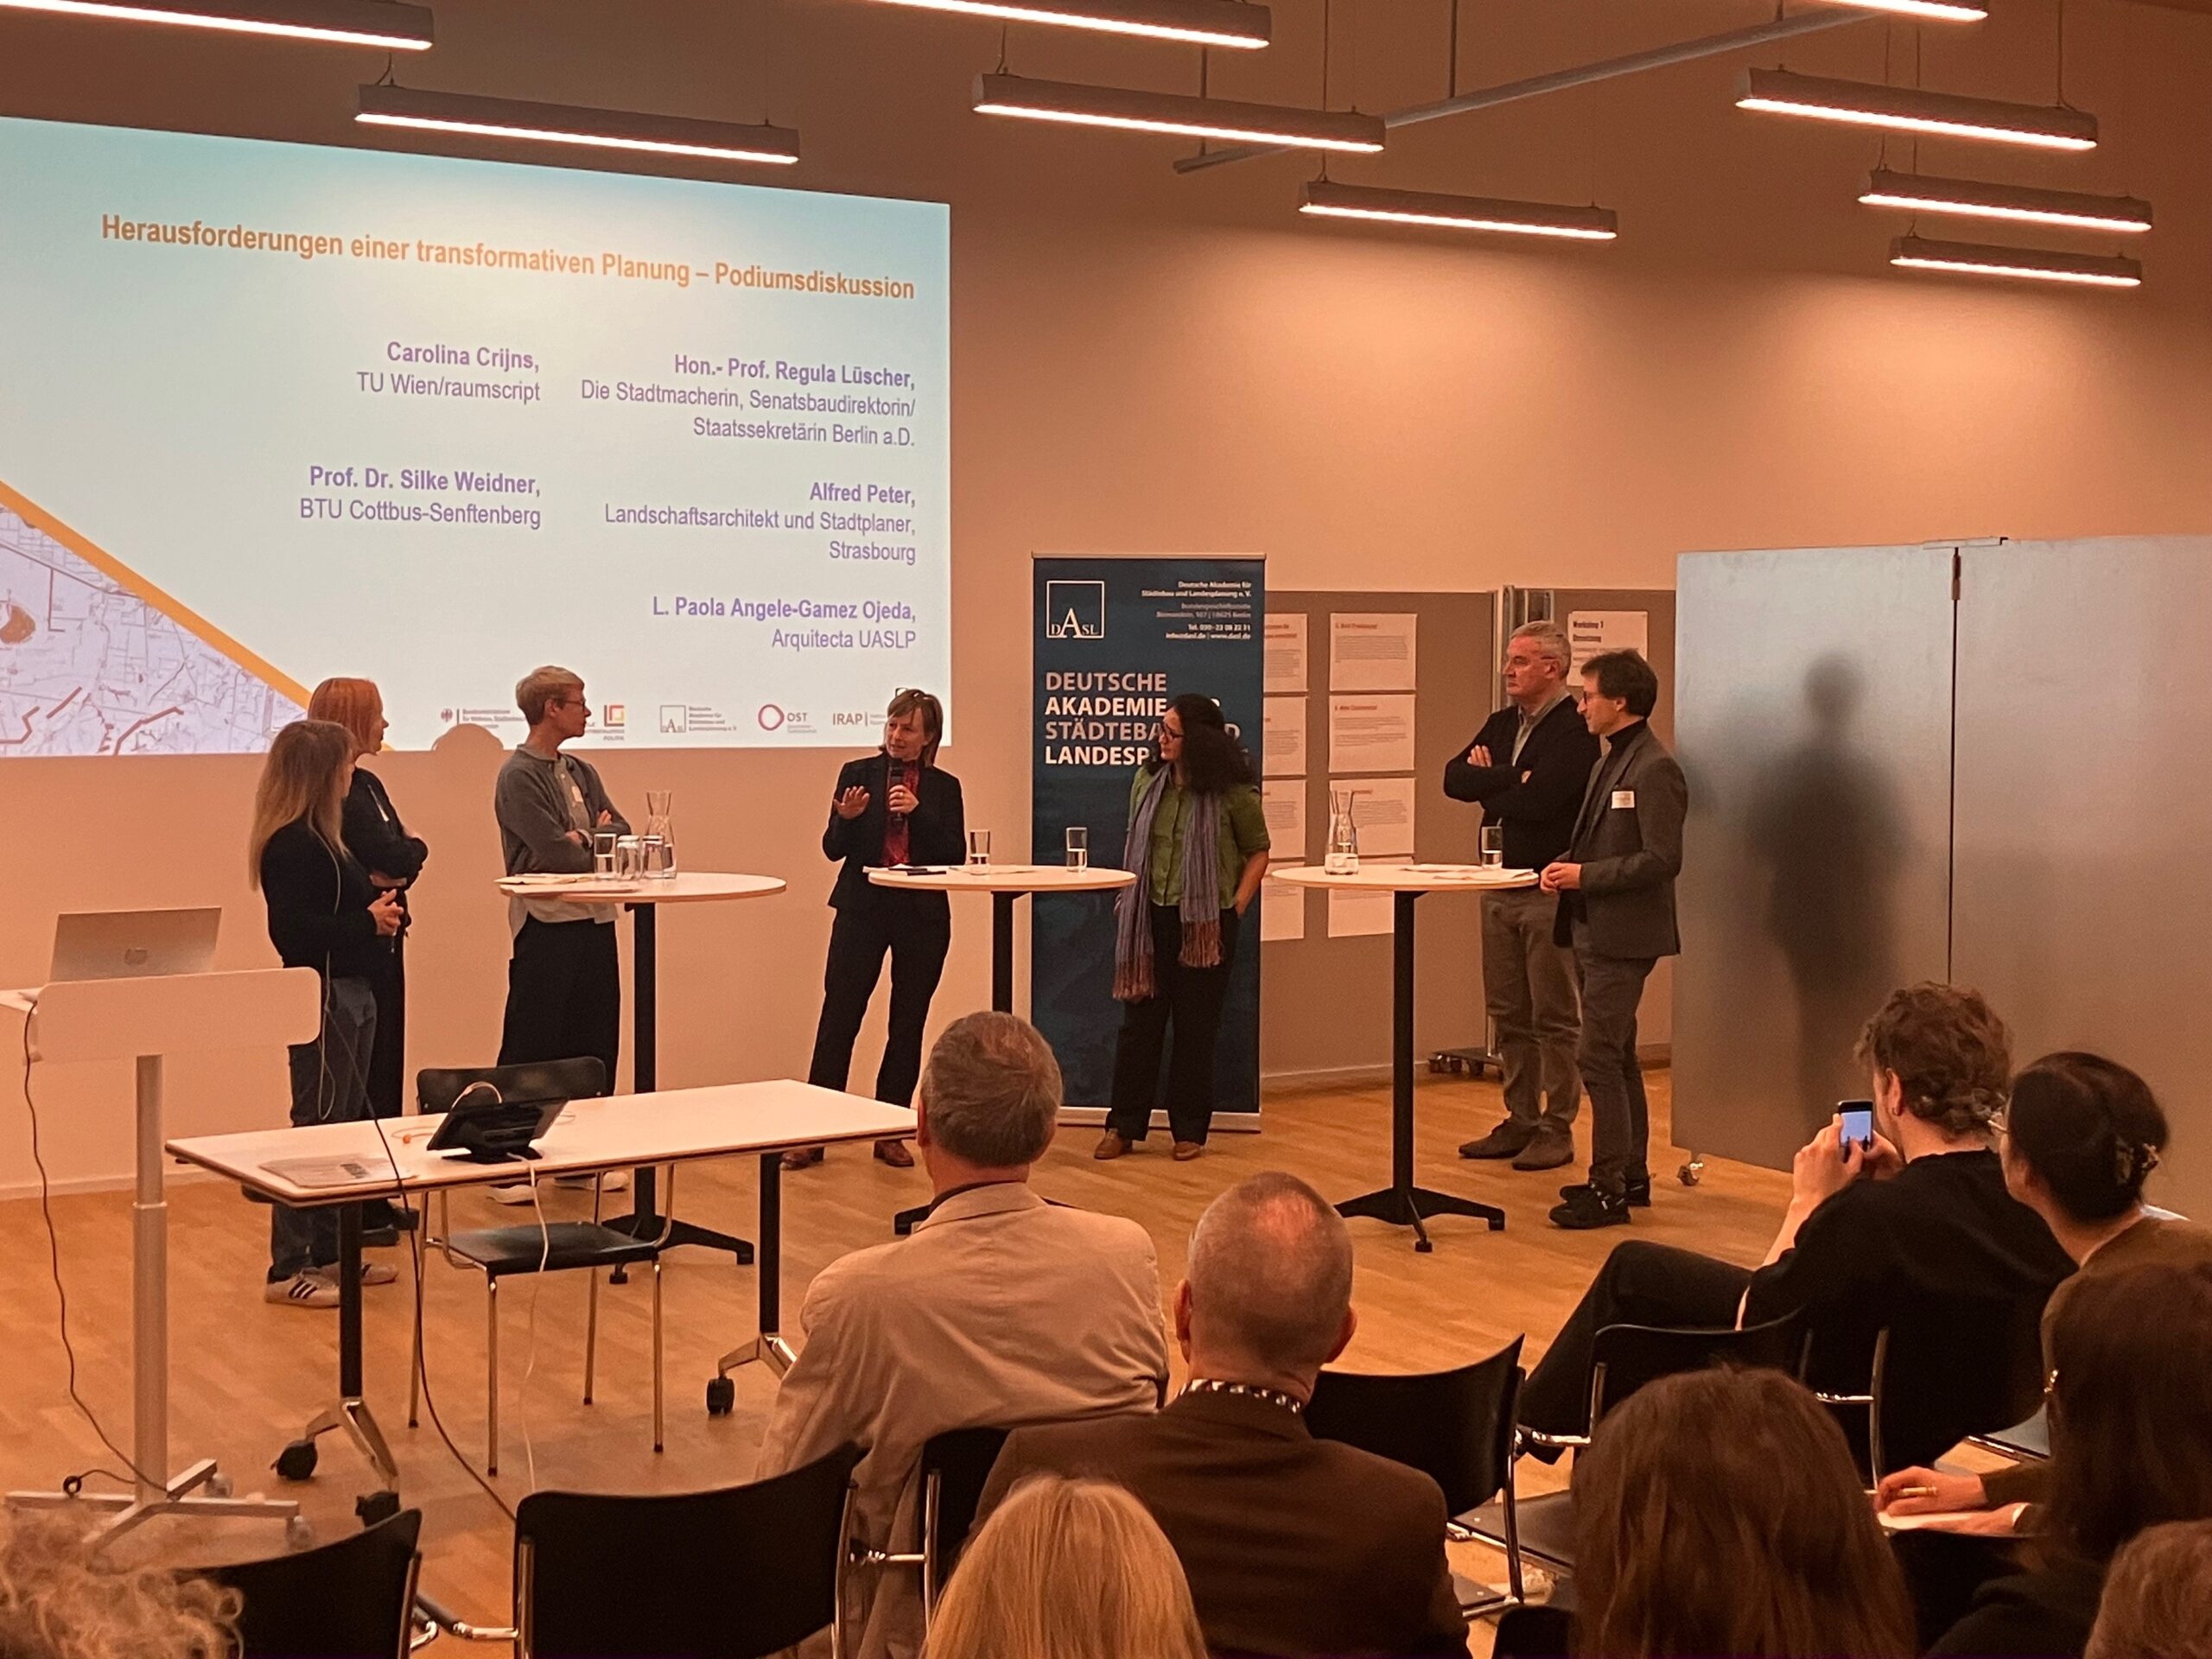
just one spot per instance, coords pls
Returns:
(1546, 1524)
(500, 1251)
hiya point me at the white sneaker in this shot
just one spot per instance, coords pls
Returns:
(313, 1288)
(378, 1272)
(615, 1180)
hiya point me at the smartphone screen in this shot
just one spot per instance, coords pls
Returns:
(1858, 1125)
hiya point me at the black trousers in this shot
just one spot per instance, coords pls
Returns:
(564, 995)
(1188, 1000)
(1620, 1134)
(388, 1059)
(1640, 1284)
(916, 933)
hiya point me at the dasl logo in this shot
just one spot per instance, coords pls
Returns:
(1075, 610)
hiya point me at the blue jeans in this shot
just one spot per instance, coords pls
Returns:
(330, 1084)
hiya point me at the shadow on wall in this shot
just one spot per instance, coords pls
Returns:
(1827, 831)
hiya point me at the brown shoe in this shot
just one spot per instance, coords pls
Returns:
(1110, 1145)
(894, 1153)
(1186, 1150)
(803, 1158)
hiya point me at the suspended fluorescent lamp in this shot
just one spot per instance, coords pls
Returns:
(1195, 22)
(1941, 11)
(1904, 109)
(1326, 199)
(1194, 117)
(2019, 203)
(382, 23)
(563, 124)
(2036, 264)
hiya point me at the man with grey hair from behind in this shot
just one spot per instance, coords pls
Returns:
(1291, 1545)
(1000, 1310)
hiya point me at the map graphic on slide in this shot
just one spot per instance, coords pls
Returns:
(88, 667)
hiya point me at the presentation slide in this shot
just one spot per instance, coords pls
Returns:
(271, 413)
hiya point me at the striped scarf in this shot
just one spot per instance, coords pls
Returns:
(1135, 979)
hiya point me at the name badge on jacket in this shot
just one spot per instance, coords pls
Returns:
(1624, 798)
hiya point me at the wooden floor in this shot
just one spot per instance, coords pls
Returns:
(246, 1376)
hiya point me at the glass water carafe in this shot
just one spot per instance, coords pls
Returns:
(1342, 856)
(659, 837)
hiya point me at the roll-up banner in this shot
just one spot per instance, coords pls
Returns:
(1116, 638)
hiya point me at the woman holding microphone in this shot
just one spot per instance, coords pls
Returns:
(897, 806)
(323, 914)
(1198, 842)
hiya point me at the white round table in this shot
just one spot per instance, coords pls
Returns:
(1005, 883)
(1402, 1203)
(642, 897)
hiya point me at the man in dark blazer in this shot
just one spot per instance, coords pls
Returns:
(1528, 766)
(1291, 1545)
(1616, 890)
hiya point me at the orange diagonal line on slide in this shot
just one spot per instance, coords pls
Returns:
(177, 612)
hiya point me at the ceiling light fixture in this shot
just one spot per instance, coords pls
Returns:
(1904, 109)
(1941, 11)
(2036, 264)
(2019, 203)
(1196, 23)
(382, 23)
(1193, 118)
(1326, 199)
(563, 124)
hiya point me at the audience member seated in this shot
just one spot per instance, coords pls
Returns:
(60, 1600)
(2079, 1139)
(2158, 1598)
(1000, 1310)
(1719, 1512)
(1914, 1233)
(1067, 1569)
(2131, 1397)
(1291, 1545)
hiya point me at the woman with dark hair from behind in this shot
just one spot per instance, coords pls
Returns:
(1720, 1512)
(2158, 1598)
(2080, 1136)
(323, 914)
(2130, 1397)
(1197, 841)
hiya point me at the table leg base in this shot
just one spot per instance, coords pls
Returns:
(671, 1233)
(181, 1495)
(768, 1349)
(297, 1461)
(1410, 1206)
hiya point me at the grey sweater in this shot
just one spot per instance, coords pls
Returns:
(537, 802)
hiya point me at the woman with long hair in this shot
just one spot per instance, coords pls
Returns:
(381, 845)
(897, 806)
(1067, 1569)
(1720, 1512)
(1197, 841)
(323, 914)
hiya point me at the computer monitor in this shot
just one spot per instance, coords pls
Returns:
(134, 943)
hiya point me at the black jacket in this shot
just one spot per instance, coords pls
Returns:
(1628, 839)
(2045, 1612)
(377, 838)
(937, 829)
(319, 907)
(1538, 812)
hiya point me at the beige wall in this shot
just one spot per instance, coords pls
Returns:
(1149, 362)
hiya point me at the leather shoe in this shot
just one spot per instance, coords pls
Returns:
(803, 1157)
(1508, 1140)
(1186, 1150)
(1110, 1145)
(894, 1153)
(1552, 1148)
(1638, 1193)
(1588, 1207)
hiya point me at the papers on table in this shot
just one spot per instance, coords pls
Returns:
(1382, 812)
(1371, 735)
(1934, 1521)
(1282, 737)
(1372, 650)
(1284, 654)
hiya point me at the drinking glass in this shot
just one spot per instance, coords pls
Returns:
(1078, 849)
(656, 855)
(602, 852)
(979, 847)
(629, 860)
(1493, 846)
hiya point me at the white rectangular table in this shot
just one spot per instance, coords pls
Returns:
(613, 1131)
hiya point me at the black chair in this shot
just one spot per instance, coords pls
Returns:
(557, 1247)
(1546, 1632)
(1456, 1426)
(737, 1573)
(1623, 1358)
(954, 1469)
(347, 1600)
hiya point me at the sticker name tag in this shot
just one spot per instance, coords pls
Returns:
(1624, 798)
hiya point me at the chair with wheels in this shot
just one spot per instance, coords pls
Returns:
(1456, 1426)
(352, 1600)
(736, 1574)
(555, 1247)
(955, 1467)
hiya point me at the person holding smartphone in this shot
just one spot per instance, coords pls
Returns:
(896, 807)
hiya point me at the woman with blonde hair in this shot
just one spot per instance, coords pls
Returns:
(60, 1600)
(380, 843)
(323, 914)
(1067, 1569)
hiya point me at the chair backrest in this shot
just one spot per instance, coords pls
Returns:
(1456, 1426)
(437, 1087)
(1625, 1357)
(1534, 1632)
(955, 1467)
(346, 1600)
(1951, 1369)
(736, 1574)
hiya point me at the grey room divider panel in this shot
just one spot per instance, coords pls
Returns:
(1812, 704)
(2083, 894)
